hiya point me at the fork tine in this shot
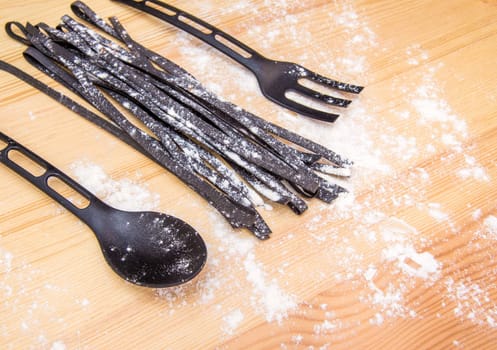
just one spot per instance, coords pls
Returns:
(335, 101)
(331, 83)
(307, 111)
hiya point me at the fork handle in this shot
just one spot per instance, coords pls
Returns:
(206, 32)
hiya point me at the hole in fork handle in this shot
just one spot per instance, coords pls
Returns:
(231, 45)
(160, 8)
(194, 24)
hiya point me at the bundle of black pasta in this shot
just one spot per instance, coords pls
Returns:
(226, 154)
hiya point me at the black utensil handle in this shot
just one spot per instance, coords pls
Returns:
(41, 181)
(209, 34)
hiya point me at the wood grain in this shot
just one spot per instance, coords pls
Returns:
(437, 188)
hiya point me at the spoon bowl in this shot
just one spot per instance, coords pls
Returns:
(150, 249)
(145, 248)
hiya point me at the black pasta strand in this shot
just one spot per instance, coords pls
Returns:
(226, 154)
(238, 216)
(326, 192)
(186, 81)
(292, 158)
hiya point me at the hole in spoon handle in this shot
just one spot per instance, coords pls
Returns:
(42, 180)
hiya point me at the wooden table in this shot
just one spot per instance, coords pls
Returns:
(405, 261)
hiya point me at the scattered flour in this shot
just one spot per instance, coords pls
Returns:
(58, 345)
(358, 40)
(456, 343)
(123, 194)
(473, 170)
(297, 339)
(388, 302)
(489, 230)
(376, 147)
(476, 214)
(396, 230)
(83, 302)
(416, 55)
(435, 211)
(472, 302)
(326, 327)
(6, 260)
(232, 255)
(422, 265)
(232, 321)
(267, 294)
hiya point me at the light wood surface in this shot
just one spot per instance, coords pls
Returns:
(426, 122)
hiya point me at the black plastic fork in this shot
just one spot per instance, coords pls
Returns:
(277, 79)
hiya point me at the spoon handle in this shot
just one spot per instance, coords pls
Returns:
(87, 214)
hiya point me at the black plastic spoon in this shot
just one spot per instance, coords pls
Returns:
(145, 248)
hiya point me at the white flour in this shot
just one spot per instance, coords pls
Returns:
(489, 228)
(58, 345)
(232, 321)
(471, 302)
(123, 194)
(402, 255)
